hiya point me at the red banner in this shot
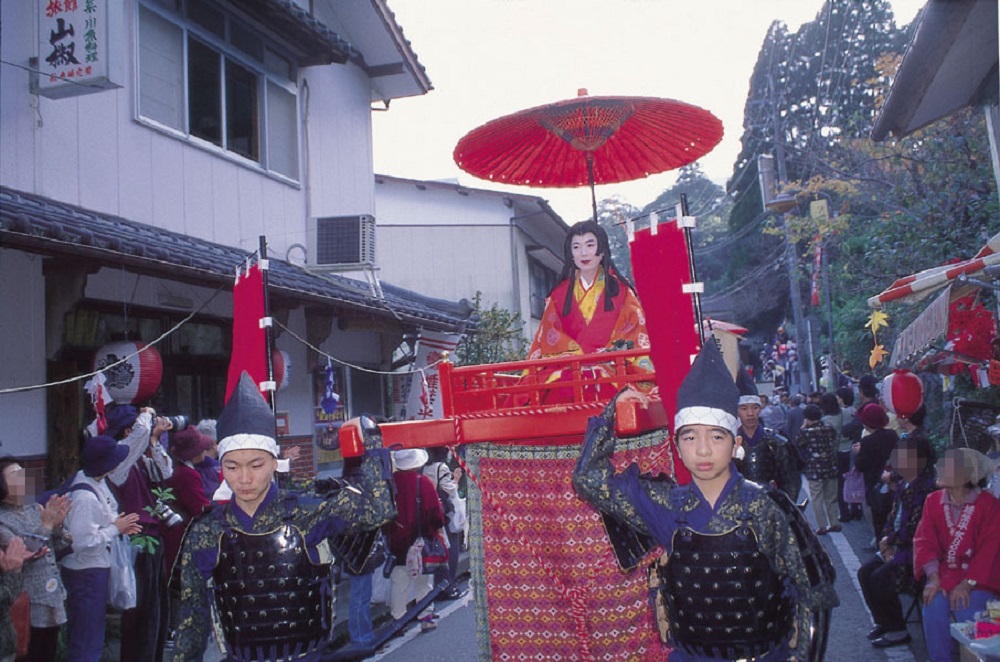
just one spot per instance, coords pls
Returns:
(660, 268)
(249, 352)
(817, 266)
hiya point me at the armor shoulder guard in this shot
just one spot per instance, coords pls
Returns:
(819, 567)
(776, 436)
(630, 546)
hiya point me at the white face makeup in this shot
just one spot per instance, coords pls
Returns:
(586, 255)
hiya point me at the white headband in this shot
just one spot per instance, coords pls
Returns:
(242, 441)
(705, 416)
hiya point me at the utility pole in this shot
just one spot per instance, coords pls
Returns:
(791, 259)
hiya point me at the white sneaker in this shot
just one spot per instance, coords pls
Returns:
(427, 623)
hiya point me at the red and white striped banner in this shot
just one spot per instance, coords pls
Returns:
(922, 284)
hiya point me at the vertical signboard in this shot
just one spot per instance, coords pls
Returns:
(74, 47)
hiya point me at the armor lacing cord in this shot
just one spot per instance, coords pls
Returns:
(575, 597)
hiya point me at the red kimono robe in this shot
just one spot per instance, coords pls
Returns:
(587, 329)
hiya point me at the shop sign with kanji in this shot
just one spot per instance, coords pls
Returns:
(74, 47)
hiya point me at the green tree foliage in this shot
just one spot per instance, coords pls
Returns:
(896, 207)
(807, 91)
(612, 215)
(921, 202)
(708, 202)
(498, 338)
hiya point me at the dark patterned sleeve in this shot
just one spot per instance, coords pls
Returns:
(779, 544)
(790, 480)
(199, 554)
(596, 482)
(10, 587)
(366, 504)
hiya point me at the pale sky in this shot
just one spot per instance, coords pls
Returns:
(489, 58)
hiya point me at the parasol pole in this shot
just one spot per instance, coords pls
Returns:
(692, 270)
(590, 175)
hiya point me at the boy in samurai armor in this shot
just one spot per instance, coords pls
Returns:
(743, 575)
(766, 456)
(254, 567)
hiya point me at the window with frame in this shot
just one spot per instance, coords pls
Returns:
(541, 280)
(210, 77)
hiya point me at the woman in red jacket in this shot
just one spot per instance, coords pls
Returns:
(188, 448)
(409, 524)
(957, 548)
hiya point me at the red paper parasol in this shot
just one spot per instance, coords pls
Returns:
(588, 141)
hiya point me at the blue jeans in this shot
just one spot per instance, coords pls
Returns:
(937, 620)
(86, 602)
(359, 614)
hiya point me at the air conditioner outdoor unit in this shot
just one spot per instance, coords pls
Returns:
(341, 242)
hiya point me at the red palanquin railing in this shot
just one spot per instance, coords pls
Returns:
(478, 404)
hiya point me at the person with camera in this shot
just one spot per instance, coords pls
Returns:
(146, 466)
(93, 522)
(257, 558)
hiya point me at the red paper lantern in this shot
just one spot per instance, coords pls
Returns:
(902, 393)
(281, 363)
(135, 380)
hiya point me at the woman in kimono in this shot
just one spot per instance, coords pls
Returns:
(592, 309)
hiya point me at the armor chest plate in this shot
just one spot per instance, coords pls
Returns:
(272, 601)
(760, 465)
(722, 597)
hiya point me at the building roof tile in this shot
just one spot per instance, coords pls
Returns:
(49, 227)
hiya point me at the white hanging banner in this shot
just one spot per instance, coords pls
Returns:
(417, 394)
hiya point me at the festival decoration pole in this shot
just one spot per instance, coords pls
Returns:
(687, 222)
(266, 322)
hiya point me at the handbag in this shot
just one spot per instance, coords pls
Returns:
(854, 487)
(432, 549)
(20, 616)
(121, 578)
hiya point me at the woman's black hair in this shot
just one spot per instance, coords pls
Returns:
(922, 446)
(5, 462)
(867, 386)
(828, 403)
(612, 277)
(846, 394)
(438, 454)
(919, 416)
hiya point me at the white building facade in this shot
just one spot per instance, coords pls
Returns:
(145, 147)
(451, 241)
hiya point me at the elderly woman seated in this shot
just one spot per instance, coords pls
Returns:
(957, 548)
(891, 572)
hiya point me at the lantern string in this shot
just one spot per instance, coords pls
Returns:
(77, 378)
(346, 364)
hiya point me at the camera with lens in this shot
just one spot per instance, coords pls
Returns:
(165, 514)
(177, 423)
